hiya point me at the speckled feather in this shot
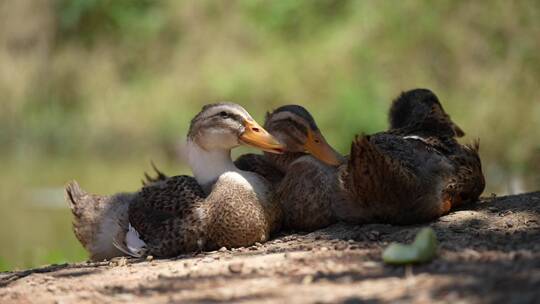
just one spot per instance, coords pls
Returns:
(239, 217)
(167, 215)
(253, 222)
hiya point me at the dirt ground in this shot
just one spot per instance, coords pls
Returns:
(489, 253)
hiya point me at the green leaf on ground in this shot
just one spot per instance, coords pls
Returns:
(423, 249)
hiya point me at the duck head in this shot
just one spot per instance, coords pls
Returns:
(294, 126)
(215, 131)
(420, 109)
(224, 126)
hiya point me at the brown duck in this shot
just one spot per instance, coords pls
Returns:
(220, 206)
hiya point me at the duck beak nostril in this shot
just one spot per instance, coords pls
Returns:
(258, 137)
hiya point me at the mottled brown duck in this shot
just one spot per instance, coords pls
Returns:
(220, 206)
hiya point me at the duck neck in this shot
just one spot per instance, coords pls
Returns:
(282, 161)
(208, 165)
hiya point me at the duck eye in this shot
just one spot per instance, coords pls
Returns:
(223, 114)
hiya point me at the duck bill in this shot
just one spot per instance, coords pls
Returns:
(317, 146)
(256, 136)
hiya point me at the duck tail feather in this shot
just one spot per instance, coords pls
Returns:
(160, 176)
(474, 146)
(76, 197)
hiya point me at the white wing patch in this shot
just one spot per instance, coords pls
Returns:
(133, 242)
(130, 243)
(416, 137)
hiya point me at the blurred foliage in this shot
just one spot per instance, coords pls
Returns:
(127, 75)
(3, 265)
(90, 20)
(94, 86)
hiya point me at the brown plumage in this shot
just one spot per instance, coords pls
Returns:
(167, 217)
(415, 172)
(233, 215)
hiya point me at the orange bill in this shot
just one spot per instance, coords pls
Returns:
(255, 136)
(317, 146)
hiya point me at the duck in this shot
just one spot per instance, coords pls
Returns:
(414, 172)
(219, 206)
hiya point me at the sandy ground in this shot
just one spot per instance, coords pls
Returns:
(489, 253)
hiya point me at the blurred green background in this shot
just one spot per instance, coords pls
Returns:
(94, 89)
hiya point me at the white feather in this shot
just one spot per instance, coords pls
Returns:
(133, 241)
(415, 137)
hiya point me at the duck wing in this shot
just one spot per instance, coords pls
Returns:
(372, 178)
(166, 219)
(468, 182)
(393, 179)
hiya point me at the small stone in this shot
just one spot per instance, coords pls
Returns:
(258, 244)
(324, 249)
(122, 262)
(341, 246)
(505, 213)
(125, 297)
(222, 249)
(236, 267)
(346, 280)
(370, 264)
(150, 258)
(307, 280)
